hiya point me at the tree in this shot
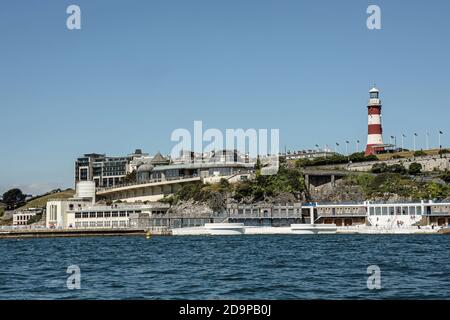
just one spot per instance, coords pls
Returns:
(13, 198)
(130, 177)
(35, 219)
(397, 168)
(415, 168)
(379, 168)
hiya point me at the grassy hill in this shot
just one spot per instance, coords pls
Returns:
(42, 201)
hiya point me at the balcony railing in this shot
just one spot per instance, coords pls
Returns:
(137, 183)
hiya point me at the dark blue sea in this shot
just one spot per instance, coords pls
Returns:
(247, 267)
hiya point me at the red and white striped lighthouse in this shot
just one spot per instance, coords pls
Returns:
(375, 132)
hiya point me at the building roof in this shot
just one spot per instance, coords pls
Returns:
(146, 167)
(374, 89)
(158, 159)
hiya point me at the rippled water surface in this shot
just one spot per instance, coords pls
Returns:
(247, 267)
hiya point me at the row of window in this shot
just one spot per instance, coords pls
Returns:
(274, 211)
(20, 223)
(395, 211)
(107, 214)
(339, 210)
(23, 217)
(101, 224)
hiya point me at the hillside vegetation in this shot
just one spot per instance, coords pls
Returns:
(41, 202)
(2, 209)
(385, 182)
(395, 185)
(286, 186)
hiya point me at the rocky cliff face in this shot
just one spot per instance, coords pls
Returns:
(342, 192)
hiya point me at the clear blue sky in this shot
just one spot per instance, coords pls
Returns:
(137, 70)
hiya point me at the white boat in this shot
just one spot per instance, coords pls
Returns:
(313, 228)
(225, 229)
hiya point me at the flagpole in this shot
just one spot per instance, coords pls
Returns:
(414, 138)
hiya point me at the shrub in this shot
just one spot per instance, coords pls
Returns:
(383, 168)
(379, 168)
(415, 168)
(397, 168)
(419, 153)
(34, 219)
(446, 176)
(169, 200)
(335, 159)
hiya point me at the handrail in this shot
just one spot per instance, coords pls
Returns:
(123, 185)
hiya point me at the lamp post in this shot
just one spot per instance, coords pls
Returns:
(357, 145)
(440, 136)
(403, 138)
(336, 147)
(428, 140)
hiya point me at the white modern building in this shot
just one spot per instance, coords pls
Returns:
(21, 218)
(110, 217)
(57, 211)
(81, 212)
